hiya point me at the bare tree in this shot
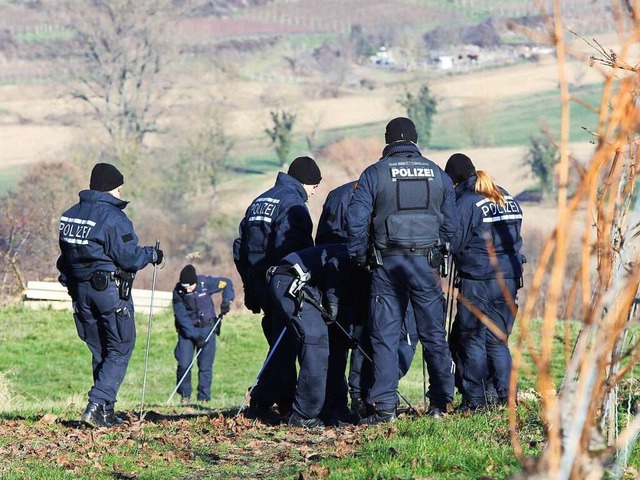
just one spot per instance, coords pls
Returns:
(281, 134)
(122, 48)
(333, 62)
(202, 159)
(28, 224)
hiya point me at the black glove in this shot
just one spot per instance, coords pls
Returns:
(251, 301)
(332, 313)
(201, 342)
(360, 259)
(218, 328)
(225, 307)
(157, 256)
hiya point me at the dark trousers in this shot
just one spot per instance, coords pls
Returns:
(312, 338)
(336, 393)
(404, 279)
(277, 382)
(106, 324)
(184, 352)
(361, 369)
(483, 360)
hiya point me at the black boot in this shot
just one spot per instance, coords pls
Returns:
(437, 410)
(111, 417)
(95, 416)
(379, 416)
(359, 408)
(297, 421)
(262, 413)
(471, 405)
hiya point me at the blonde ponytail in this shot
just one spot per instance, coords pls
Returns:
(488, 189)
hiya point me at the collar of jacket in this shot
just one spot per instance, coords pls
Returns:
(467, 185)
(289, 181)
(404, 147)
(106, 197)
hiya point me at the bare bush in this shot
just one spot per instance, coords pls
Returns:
(353, 154)
(586, 435)
(29, 218)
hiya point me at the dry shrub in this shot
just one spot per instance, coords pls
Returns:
(29, 219)
(353, 154)
(585, 437)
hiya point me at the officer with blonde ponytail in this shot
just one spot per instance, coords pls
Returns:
(489, 265)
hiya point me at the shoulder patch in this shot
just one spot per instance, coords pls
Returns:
(127, 238)
(222, 284)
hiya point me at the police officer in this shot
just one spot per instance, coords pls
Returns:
(488, 262)
(195, 317)
(99, 258)
(276, 223)
(306, 287)
(406, 205)
(332, 228)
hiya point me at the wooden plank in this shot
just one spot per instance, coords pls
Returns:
(53, 295)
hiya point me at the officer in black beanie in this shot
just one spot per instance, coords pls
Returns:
(99, 257)
(459, 167)
(404, 209)
(276, 224)
(195, 317)
(489, 264)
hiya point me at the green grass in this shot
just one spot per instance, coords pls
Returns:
(512, 122)
(47, 370)
(40, 36)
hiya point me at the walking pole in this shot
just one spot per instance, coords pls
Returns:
(218, 320)
(146, 352)
(273, 349)
(365, 355)
(450, 298)
(424, 380)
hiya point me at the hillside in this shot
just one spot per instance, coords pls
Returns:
(237, 79)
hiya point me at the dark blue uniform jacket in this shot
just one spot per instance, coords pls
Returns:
(193, 310)
(482, 221)
(362, 208)
(332, 226)
(96, 234)
(275, 224)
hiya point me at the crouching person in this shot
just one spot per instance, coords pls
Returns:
(297, 286)
(195, 317)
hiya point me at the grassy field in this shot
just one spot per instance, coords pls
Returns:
(45, 373)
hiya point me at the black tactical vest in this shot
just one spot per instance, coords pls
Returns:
(407, 212)
(199, 304)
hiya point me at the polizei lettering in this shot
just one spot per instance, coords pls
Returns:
(493, 212)
(75, 230)
(262, 209)
(411, 172)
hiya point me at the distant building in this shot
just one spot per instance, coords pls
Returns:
(382, 57)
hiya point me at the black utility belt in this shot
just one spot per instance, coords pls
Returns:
(281, 270)
(100, 280)
(205, 324)
(421, 252)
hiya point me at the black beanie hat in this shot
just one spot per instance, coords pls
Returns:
(188, 275)
(305, 170)
(105, 177)
(459, 167)
(400, 128)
